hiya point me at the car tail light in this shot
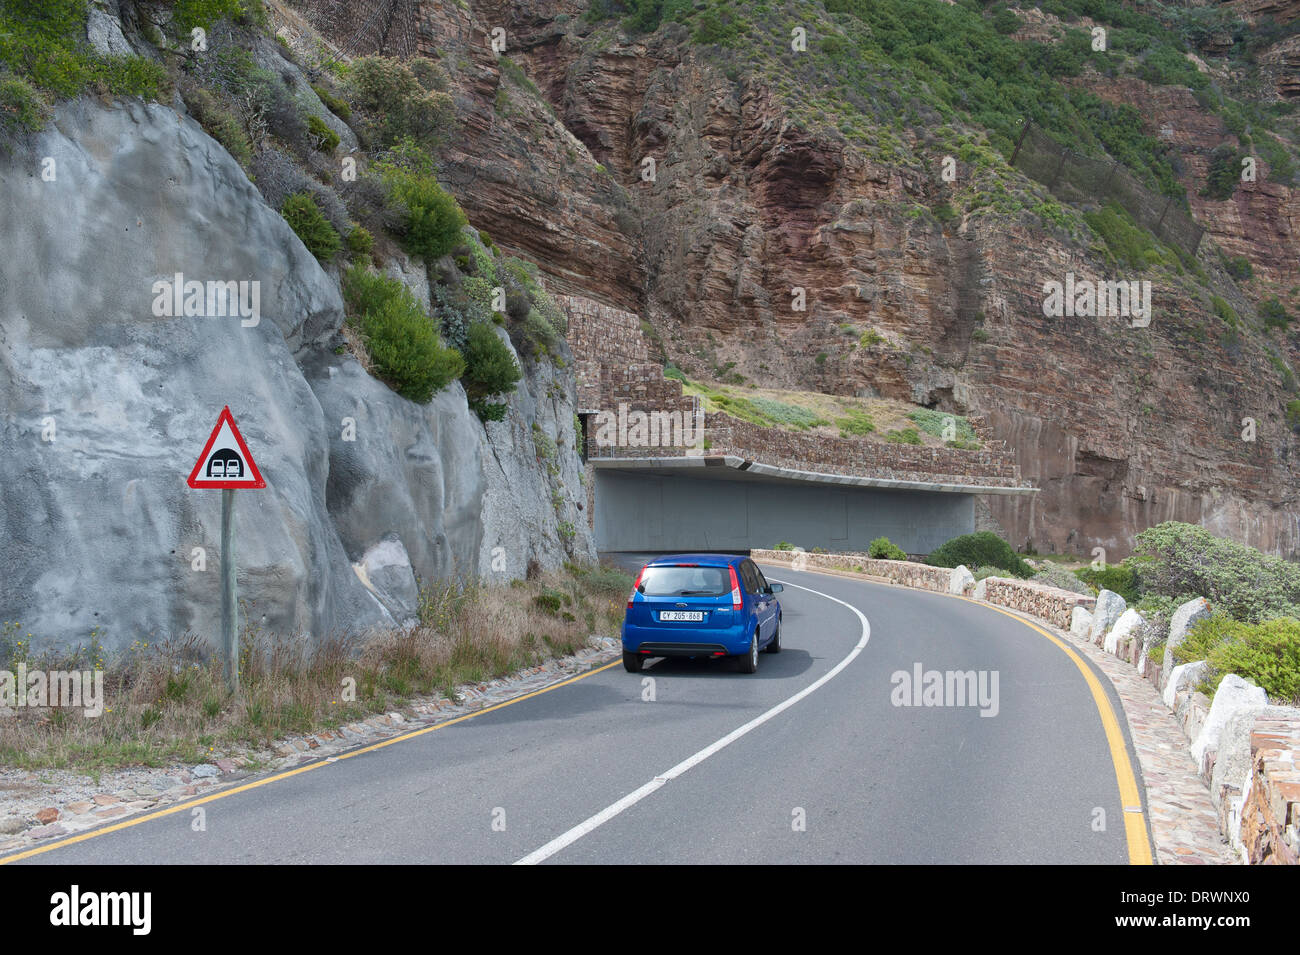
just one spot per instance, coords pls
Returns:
(735, 591)
(636, 585)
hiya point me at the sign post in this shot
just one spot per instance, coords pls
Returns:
(226, 463)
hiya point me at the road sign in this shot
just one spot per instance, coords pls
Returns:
(225, 462)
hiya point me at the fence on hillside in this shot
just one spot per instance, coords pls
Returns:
(1073, 177)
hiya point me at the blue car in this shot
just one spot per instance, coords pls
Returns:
(701, 605)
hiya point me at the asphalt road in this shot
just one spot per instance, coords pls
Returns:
(841, 774)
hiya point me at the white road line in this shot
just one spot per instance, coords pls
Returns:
(634, 797)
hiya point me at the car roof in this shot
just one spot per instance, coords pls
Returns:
(704, 560)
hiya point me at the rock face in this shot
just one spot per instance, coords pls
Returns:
(748, 203)
(105, 405)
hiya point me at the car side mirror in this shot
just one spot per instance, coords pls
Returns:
(775, 588)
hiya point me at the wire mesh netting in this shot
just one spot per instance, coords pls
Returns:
(1076, 178)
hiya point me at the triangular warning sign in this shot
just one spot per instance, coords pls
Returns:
(225, 461)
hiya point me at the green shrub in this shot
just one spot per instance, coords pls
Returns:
(306, 219)
(871, 337)
(360, 240)
(935, 422)
(1116, 578)
(1274, 314)
(981, 549)
(431, 220)
(882, 548)
(395, 105)
(219, 123)
(188, 14)
(904, 436)
(1267, 654)
(1293, 414)
(1224, 173)
(1184, 561)
(326, 140)
(20, 106)
(1239, 268)
(401, 338)
(334, 104)
(783, 546)
(490, 371)
(855, 423)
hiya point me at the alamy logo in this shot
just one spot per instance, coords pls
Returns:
(78, 689)
(946, 688)
(103, 908)
(1098, 299)
(179, 298)
(654, 429)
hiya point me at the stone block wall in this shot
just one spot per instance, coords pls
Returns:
(1270, 819)
(1039, 600)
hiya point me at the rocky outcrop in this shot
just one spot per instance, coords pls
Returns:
(106, 404)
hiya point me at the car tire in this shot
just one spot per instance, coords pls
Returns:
(632, 662)
(775, 645)
(749, 662)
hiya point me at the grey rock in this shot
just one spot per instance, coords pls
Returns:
(205, 771)
(12, 825)
(1105, 612)
(104, 29)
(960, 579)
(386, 571)
(412, 472)
(1183, 676)
(981, 589)
(1129, 621)
(1232, 762)
(1080, 621)
(1233, 696)
(98, 527)
(1179, 624)
(522, 521)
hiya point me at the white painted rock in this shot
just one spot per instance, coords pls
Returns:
(1233, 695)
(1183, 675)
(1179, 624)
(1128, 621)
(981, 589)
(1108, 609)
(961, 580)
(1080, 621)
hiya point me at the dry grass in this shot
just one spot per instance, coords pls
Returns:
(167, 703)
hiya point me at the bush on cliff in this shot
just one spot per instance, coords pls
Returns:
(431, 219)
(310, 225)
(401, 338)
(882, 548)
(490, 371)
(394, 105)
(981, 549)
(1185, 560)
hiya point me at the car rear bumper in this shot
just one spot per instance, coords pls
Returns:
(681, 642)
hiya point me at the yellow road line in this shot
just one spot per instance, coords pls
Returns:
(1135, 829)
(181, 807)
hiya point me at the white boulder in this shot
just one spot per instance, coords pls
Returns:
(960, 580)
(1183, 675)
(1129, 621)
(1080, 621)
(1107, 610)
(1233, 696)
(1179, 624)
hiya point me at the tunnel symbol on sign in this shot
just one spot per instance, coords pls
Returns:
(225, 464)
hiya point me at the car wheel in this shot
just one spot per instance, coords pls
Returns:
(632, 662)
(749, 662)
(775, 645)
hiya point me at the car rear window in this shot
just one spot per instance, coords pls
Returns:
(685, 581)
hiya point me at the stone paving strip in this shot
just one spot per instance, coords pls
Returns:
(1184, 821)
(38, 806)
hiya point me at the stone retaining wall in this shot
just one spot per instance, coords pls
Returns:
(1038, 600)
(1270, 819)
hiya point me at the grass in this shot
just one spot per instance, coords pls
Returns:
(166, 702)
(832, 415)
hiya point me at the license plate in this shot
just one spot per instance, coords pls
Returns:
(695, 615)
